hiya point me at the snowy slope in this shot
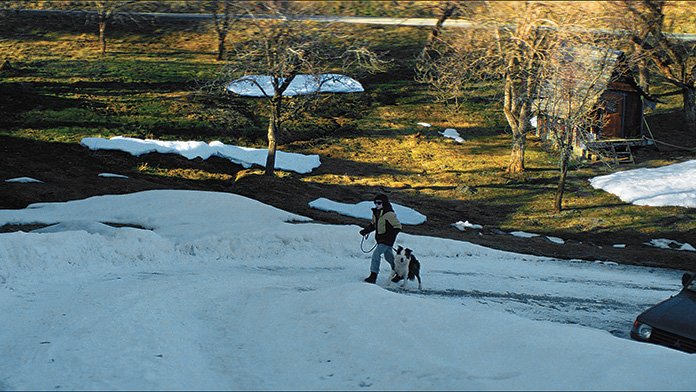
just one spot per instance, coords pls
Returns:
(209, 291)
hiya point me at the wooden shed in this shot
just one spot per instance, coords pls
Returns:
(614, 96)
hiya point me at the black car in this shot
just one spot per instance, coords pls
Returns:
(672, 322)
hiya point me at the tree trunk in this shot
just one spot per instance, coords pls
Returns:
(221, 47)
(689, 95)
(516, 117)
(273, 129)
(643, 73)
(516, 164)
(102, 36)
(270, 158)
(558, 202)
(447, 12)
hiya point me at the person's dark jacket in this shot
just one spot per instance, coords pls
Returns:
(384, 223)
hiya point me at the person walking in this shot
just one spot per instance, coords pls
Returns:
(386, 226)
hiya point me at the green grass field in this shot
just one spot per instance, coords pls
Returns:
(148, 86)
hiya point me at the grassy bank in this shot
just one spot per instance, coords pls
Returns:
(148, 86)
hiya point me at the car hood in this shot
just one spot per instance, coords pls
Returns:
(676, 315)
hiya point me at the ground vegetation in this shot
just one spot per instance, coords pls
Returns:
(59, 90)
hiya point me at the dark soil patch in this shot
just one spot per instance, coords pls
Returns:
(71, 171)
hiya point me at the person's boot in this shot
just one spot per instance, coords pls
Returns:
(372, 278)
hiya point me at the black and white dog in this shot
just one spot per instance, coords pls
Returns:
(406, 267)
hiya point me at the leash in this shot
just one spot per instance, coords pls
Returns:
(361, 244)
(362, 241)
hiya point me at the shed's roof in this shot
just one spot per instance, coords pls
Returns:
(577, 78)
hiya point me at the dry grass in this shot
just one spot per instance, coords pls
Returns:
(144, 88)
(188, 174)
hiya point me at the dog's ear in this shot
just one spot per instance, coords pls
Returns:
(408, 252)
(399, 249)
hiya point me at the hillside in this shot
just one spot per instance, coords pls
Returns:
(59, 90)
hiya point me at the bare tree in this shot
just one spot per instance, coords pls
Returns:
(7, 12)
(510, 46)
(539, 55)
(674, 59)
(223, 12)
(107, 11)
(575, 77)
(282, 47)
(445, 10)
(578, 67)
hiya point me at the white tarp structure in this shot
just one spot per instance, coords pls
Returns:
(262, 85)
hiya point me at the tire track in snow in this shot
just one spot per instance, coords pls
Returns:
(611, 315)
